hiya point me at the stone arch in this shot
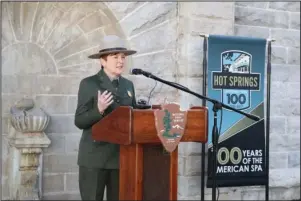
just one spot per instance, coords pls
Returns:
(64, 33)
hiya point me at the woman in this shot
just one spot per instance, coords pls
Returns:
(99, 95)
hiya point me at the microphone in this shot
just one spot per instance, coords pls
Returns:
(137, 71)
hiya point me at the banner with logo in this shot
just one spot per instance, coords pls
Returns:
(236, 69)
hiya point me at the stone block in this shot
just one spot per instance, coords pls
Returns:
(53, 183)
(285, 193)
(11, 9)
(12, 83)
(57, 144)
(285, 73)
(72, 143)
(294, 21)
(293, 125)
(85, 69)
(191, 64)
(60, 163)
(22, 14)
(33, 84)
(27, 12)
(159, 63)
(53, 84)
(27, 58)
(147, 18)
(94, 20)
(294, 90)
(182, 148)
(232, 195)
(260, 17)
(72, 104)
(294, 56)
(190, 148)
(285, 6)
(8, 100)
(188, 41)
(80, 57)
(278, 160)
(66, 32)
(64, 6)
(52, 104)
(251, 31)
(279, 55)
(181, 165)
(190, 57)
(189, 186)
(284, 143)
(198, 197)
(7, 35)
(194, 84)
(277, 125)
(62, 196)
(206, 26)
(253, 195)
(193, 165)
(4, 156)
(262, 5)
(4, 188)
(123, 9)
(161, 37)
(45, 29)
(79, 44)
(72, 182)
(285, 107)
(62, 124)
(207, 10)
(294, 159)
(282, 90)
(5, 123)
(287, 38)
(41, 15)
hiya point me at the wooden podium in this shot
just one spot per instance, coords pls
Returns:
(146, 171)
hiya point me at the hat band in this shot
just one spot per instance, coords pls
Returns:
(112, 49)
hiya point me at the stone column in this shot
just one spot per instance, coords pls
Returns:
(26, 140)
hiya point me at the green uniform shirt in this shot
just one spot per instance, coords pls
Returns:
(99, 154)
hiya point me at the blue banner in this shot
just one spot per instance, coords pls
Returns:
(235, 73)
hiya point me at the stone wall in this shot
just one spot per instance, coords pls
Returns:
(280, 21)
(44, 48)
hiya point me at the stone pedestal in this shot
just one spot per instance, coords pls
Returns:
(26, 140)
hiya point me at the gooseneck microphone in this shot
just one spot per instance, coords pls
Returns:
(137, 71)
(217, 104)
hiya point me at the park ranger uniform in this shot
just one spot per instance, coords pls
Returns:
(99, 161)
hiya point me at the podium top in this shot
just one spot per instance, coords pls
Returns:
(126, 126)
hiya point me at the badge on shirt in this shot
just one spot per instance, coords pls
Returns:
(130, 94)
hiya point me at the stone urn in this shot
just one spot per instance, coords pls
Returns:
(26, 118)
(26, 139)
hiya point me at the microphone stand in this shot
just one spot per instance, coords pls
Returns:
(216, 107)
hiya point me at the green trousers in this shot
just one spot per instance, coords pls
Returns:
(92, 183)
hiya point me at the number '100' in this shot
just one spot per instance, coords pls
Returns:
(234, 98)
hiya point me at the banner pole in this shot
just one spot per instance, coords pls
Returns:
(204, 104)
(269, 71)
(215, 136)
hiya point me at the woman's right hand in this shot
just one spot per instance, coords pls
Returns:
(105, 99)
